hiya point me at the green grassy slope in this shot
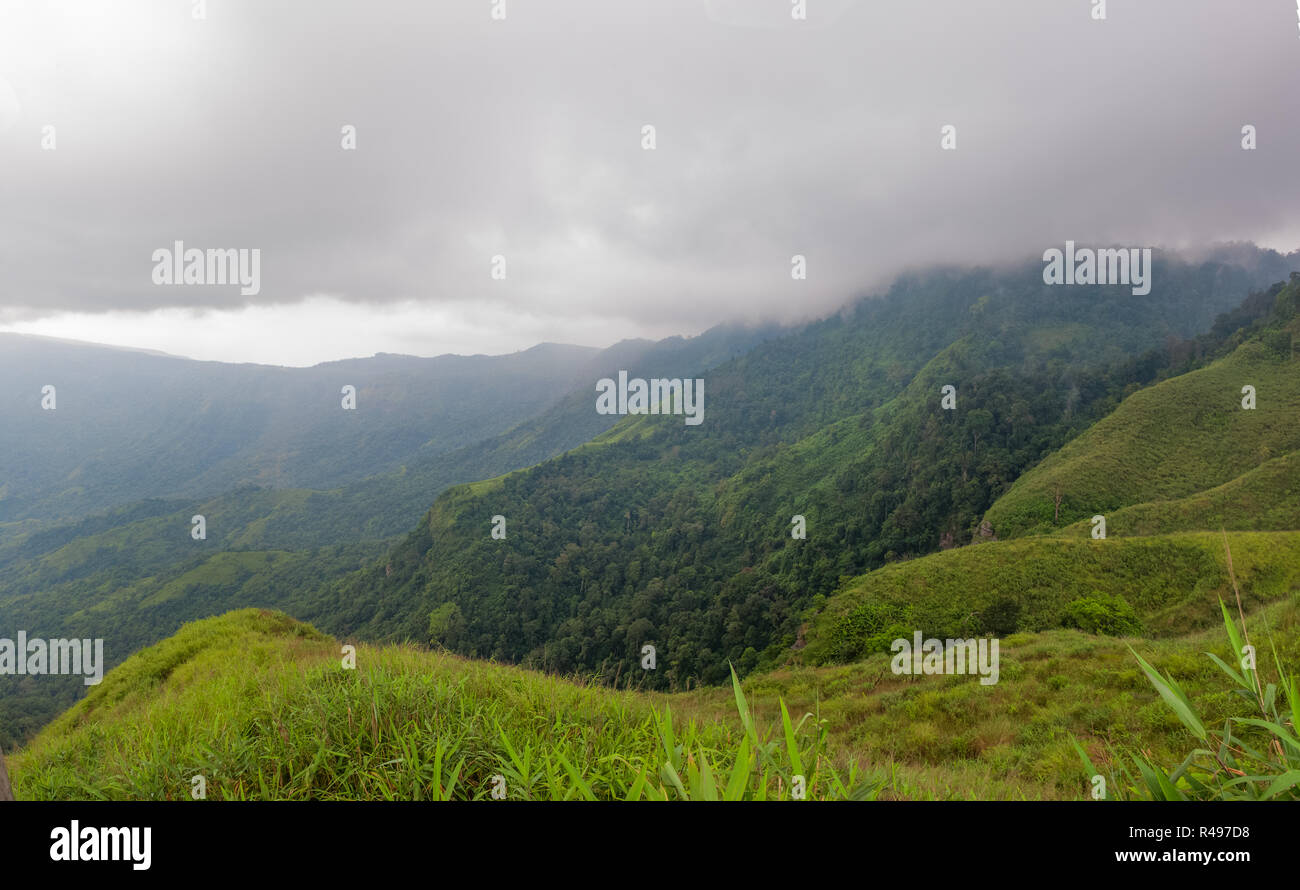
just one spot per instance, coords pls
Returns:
(1172, 583)
(261, 706)
(1170, 442)
(950, 736)
(1266, 497)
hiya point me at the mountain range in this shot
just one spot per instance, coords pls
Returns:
(944, 447)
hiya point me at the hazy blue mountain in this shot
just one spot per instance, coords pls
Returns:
(130, 425)
(132, 574)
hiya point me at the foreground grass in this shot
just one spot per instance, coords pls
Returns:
(1255, 757)
(261, 707)
(953, 737)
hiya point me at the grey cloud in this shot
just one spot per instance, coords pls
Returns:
(522, 138)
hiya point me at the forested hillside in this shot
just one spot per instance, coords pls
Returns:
(132, 574)
(680, 537)
(1172, 468)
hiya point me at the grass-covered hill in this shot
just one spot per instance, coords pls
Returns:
(1266, 497)
(262, 707)
(1155, 587)
(1184, 453)
(658, 533)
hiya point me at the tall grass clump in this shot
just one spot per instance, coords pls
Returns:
(1253, 757)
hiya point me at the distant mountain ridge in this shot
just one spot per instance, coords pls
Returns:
(128, 425)
(132, 573)
(131, 425)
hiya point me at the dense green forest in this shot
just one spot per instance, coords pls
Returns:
(132, 574)
(681, 538)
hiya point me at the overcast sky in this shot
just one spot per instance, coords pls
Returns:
(522, 137)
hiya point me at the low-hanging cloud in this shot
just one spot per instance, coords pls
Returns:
(522, 137)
